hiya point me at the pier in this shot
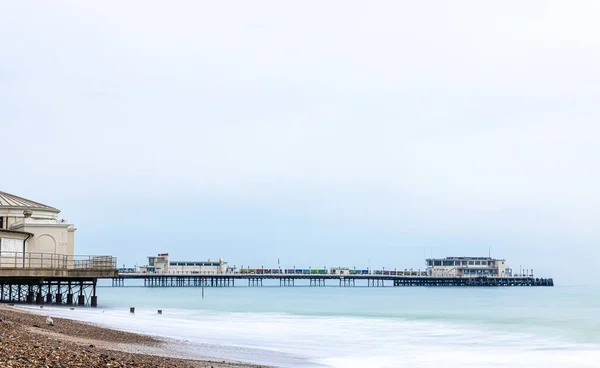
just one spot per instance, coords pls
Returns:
(315, 280)
(38, 264)
(449, 271)
(44, 279)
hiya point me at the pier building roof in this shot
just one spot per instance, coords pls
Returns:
(466, 259)
(188, 263)
(12, 201)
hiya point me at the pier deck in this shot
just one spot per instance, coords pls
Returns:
(41, 278)
(230, 280)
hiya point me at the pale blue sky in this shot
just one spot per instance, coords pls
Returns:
(323, 133)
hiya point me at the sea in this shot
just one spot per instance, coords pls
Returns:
(363, 326)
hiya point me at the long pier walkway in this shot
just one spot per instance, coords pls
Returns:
(289, 280)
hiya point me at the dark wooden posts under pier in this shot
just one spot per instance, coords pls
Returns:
(375, 282)
(48, 291)
(317, 281)
(475, 281)
(255, 281)
(287, 280)
(345, 281)
(44, 278)
(181, 281)
(116, 281)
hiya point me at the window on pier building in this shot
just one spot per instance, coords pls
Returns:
(464, 263)
(471, 263)
(430, 263)
(484, 263)
(437, 263)
(448, 263)
(477, 263)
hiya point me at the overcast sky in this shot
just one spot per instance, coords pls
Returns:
(320, 132)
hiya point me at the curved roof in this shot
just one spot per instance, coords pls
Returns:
(8, 200)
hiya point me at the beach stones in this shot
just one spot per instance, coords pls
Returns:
(74, 344)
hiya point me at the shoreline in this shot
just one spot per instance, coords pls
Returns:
(26, 340)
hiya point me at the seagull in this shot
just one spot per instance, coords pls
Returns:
(49, 321)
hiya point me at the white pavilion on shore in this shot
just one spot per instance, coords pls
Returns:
(27, 226)
(37, 260)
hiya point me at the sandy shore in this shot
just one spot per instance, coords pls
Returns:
(27, 341)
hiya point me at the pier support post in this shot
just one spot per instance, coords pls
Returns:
(81, 298)
(49, 298)
(39, 298)
(94, 300)
(58, 294)
(30, 295)
(69, 295)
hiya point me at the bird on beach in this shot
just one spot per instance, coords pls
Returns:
(49, 321)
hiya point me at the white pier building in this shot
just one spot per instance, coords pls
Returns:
(467, 266)
(161, 265)
(38, 263)
(31, 227)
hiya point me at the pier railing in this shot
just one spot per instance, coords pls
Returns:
(34, 260)
(307, 276)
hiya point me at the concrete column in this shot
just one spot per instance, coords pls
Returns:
(81, 300)
(70, 299)
(39, 300)
(59, 298)
(30, 298)
(49, 298)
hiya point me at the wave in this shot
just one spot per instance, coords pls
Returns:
(287, 340)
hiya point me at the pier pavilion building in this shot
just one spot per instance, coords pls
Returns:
(467, 266)
(31, 227)
(37, 257)
(161, 265)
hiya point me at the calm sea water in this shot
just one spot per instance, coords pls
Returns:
(366, 326)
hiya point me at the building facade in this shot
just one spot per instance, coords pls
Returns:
(28, 227)
(161, 265)
(340, 270)
(467, 266)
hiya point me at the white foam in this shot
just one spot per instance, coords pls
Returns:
(293, 341)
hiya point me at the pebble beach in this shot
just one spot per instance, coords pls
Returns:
(26, 340)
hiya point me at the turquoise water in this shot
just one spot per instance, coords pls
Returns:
(560, 311)
(367, 326)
